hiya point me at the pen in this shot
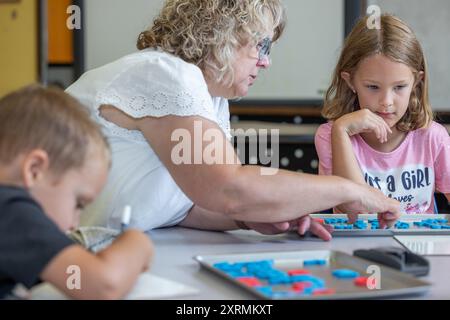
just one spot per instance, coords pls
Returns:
(126, 217)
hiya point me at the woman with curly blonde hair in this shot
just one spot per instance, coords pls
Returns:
(195, 56)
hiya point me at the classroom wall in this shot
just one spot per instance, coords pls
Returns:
(430, 20)
(18, 44)
(302, 61)
(112, 27)
(304, 58)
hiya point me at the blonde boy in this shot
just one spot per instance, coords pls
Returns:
(53, 162)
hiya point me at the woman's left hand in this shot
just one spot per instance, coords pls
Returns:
(301, 225)
(307, 223)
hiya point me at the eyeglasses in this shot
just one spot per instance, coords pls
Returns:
(264, 48)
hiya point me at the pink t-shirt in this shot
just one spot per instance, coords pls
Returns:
(411, 173)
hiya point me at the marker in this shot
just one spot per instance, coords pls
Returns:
(126, 217)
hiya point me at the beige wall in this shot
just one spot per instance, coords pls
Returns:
(303, 60)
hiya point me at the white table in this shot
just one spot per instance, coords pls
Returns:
(175, 248)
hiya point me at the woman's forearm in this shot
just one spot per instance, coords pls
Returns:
(286, 195)
(244, 192)
(199, 218)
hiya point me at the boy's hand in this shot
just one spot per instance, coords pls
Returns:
(364, 120)
(143, 241)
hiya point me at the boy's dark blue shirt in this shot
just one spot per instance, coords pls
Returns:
(29, 240)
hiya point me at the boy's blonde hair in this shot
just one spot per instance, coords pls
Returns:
(48, 119)
(208, 32)
(396, 41)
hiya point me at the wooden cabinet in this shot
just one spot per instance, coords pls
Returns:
(60, 37)
(19, 45)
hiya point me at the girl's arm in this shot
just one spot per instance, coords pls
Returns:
(344, 160)
(108, 275)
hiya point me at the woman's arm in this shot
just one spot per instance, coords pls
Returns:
(243, 192)
(199, 218)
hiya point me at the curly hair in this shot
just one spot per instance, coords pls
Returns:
(396, 41)
(208, 32)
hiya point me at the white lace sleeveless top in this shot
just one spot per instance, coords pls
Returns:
(146, 83)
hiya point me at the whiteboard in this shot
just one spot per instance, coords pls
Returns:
(302, 61)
